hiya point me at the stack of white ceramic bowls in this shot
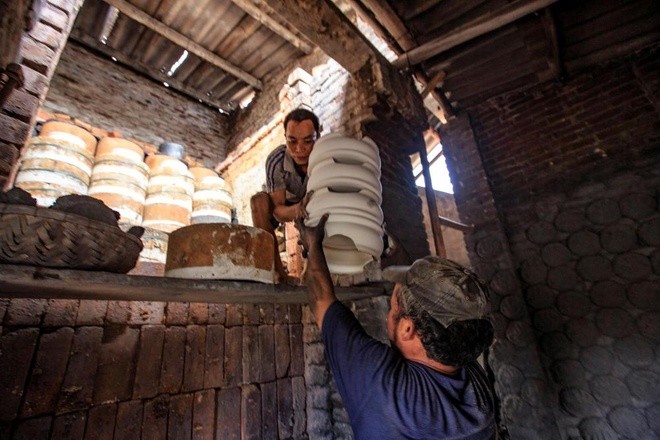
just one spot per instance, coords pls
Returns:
(344, 174)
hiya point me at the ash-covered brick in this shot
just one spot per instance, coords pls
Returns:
(568, 373)
(61, 312)
(618, 238)
(512, 307)
(533, 271)
(596, 360)
(101, 422)
(228, 414)
(47, 372)
(562, 278)
(603, 211)
(116, 369)
(154, 422)
(608, 293)
(609, 390)
(78, 385)
(582, 331)
(91, 312)
(69, 425)
(251, 354)
(269, 410)
(16, 351)
(174, 348)
(233, 359)
(547, 320)
(504, 282)
(150, 354)
(213, 361)
(284, 408)
(193, 377)
(614, 322)
(541, 232)
(643, 385)
(645, 295)
(637, 206)
(555, 254)
(634, 351)
(203, 424)
(25, 311)
(584, 242)
(297, 367)
(176, 313)
(266, 337)
(596, 427)
(282, 349)
(557, 346)
(234, 315)
(540, 296)
(250, 411)
(33, 428)
(648, 324)
(128, 424)
(578, 402)
(179, 421)
(217, 313)
(570, 221)
(628, 422)
(198, 313)
(573, 304)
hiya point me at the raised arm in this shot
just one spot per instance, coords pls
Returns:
(320, 291)
(281, 211)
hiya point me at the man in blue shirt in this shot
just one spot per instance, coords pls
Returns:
(427, 385)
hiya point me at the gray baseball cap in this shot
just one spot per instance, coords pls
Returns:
(448, 291)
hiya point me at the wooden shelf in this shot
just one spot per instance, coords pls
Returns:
(38, 282)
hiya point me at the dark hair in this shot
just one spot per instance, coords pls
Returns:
(302, 114)
(457, 345)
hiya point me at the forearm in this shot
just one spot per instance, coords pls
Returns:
(320, 290)
(283, 213)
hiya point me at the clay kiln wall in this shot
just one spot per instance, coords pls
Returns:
(562, 183)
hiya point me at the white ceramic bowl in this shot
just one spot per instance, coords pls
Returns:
(324, 200)
(345, 178)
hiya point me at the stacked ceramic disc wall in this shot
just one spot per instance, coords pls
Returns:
(344, 174)
(169, 201)
(120, 177)
(57, 162)
(212, 200)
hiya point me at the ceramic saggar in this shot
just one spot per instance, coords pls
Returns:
(344, 174)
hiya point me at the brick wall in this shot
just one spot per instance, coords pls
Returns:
(562, 183)
(38, 55)
(118, 369)
(104, 94)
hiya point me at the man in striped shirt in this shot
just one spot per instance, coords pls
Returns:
(286, 177)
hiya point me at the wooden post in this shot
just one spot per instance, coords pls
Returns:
(433, 207)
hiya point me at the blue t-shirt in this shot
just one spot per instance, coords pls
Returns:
(389, 397)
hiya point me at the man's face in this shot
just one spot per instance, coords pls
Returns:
(300, 138)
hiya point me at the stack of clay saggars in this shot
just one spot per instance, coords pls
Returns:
(120, 177)
(212, 201)
(58, 162)
(170, 190)
(344, 174)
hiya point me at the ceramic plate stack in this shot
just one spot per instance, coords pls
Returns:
(212, 201)
(344, 174)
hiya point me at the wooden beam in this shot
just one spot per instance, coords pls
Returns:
(440, 249)
(392, 22)
(550, 28)
(324, 25)
(39, 282)
(263, 14)
(454, 224)
(147, 20)
(471, 30)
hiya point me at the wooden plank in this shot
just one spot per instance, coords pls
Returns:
(471, 30)
(392, 22)
(191, 46)
(263, 14)
(553, 57)
(37, 282)
(325, 25)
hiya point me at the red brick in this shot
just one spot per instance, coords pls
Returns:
(251, 315)
(47, 373)
(228, 414)
(47, 35)
(280, 313)
(269, 410)
(299, 394)
(233, 372)
(154, 424)
(61, 312)
(284, 408)
(37, 56)
(16, 350)
(217, 313)
(78, 385)
(24, 311)
(193, 377)
(215, 350)
(250, 404)
(282, 350)
(129, 420)
(267, 314)
(266, 353)
(295, 313)
(146, 312)
(116, 369)
(101, 422)
(171, 374)
(179, 423)
(35, 83)
(251, 354)
(234, 315)
(297, 350)
(203, 415)
(91, 312)
(118, 312)
(54, 17)
(69, 426)
(199, 313)
(176, 313)
(147, 372)
(4, 303)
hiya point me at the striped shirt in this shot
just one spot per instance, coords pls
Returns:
(282, 173)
